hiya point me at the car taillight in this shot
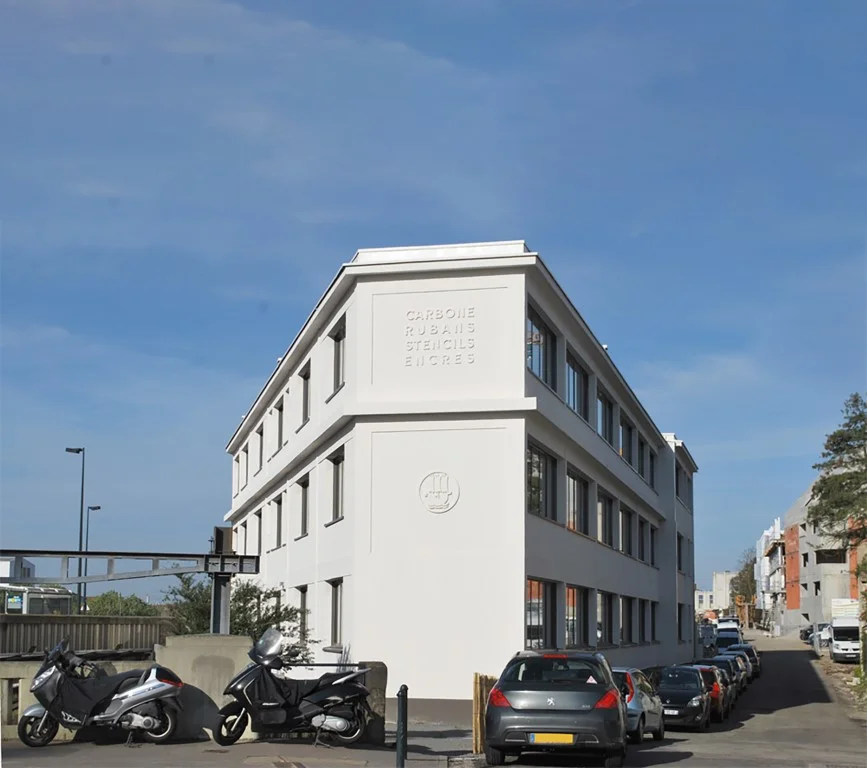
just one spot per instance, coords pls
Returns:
(630, 686)
(498, 699)
(715, 691)
(610, 700)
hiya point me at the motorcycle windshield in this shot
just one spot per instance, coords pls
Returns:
(269, 645)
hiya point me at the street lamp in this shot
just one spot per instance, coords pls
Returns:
(87, 547)
(80, 523)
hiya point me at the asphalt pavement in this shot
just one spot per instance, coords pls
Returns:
(786, 719)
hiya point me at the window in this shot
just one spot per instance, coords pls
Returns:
(260, 447)
(642, 536)
(681, 628)
(541, 349)
(278, 520)
(576, 617)
(305, 394)
(259, 532)
(654, 609)
(605, 519)
(244, 538)
(236, 474)
(304, 490)
(302, 610)
(642, 621)
(817, 587)
(830, 557)
(626, 433)
(577, 502)
(338, 340)
(539, 616)
(627, 517)
(805, 558)
(805, 586)
(336, 613)
(245, 464)
(541, 483)
(653, 536)
(642, 457)
(278, 412)
(679, 552)
(337, 486)
(651, 478)
(577, 387)
(677, 473)
(604, 618)
(627, 633)
(605, 418)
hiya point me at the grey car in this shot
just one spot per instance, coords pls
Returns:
(643, 705)
(556, 701)
(743, 656)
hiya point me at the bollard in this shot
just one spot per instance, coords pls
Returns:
(401, 726)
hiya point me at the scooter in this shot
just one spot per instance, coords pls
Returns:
(335, 703)
(74, 693)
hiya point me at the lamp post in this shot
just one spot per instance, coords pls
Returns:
(80, 523)
(87, 547)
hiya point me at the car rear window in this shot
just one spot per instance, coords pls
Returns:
(547, 670)
(724, 641)
(679, 679)
(725, 664)
(708, 676)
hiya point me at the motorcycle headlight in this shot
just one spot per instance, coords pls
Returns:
(41, 678)
(695, 702)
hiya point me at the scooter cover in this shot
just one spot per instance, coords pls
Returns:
(79, 697)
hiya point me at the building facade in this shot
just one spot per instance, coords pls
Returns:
(817, 570)
(722, 590)
(446, 467)
(704, 601)
(769, 561)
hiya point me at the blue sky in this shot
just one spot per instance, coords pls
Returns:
(181, 178)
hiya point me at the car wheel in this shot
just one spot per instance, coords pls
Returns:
(494, 756)
(617, 760)
(659, 733)
(637, 736)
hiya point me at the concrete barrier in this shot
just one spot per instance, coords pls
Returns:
(205, 663)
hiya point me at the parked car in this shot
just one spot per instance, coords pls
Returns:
(728, 637)
(720, 703)
(755, 658)
(643, 705)
(751, 672)
(736, 669)
(685, 702)
(556, 701)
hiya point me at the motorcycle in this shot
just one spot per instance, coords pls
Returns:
(335, 703)
(74, 693)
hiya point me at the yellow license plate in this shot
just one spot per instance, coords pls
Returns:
(551, 738)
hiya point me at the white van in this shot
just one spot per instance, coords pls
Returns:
(844, 642)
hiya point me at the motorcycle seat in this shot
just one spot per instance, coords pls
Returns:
(121, 682)
(328, 678)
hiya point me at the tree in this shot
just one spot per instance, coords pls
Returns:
(253, 609)
(113, 603)
(838, 505)
(744, 582)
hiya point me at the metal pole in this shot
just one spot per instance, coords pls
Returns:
(86, 549)
(401, 740)
(81, 535)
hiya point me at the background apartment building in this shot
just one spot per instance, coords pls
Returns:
(447, 467)
(721, 583)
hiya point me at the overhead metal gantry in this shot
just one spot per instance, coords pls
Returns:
(220, 565)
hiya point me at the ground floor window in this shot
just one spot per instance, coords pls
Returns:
(576, 617)
(337, 613)
(540, 617)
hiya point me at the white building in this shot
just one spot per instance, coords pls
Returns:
(768, 560)
(722, 590)
(16, 568)
(446, 467)
(704, 600)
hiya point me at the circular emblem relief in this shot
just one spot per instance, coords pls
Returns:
(439, 492)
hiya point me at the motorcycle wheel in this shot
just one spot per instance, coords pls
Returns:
(229, 728)
(27, 727)
(355, 732)
(164, 732)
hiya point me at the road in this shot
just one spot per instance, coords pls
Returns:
(786, 720)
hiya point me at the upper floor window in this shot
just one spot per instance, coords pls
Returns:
(304, 505)
(338, 340)
(577, 502)
(260, 447)
(337, 500)
(651, 476)
(642, 457)
(605, 417)
(627, 517)
(541, 349)
(679, 552)
(277, 503)
(245, 465)
(577, 387)
(541, 483)
(278, 417)
(605, 519)
(305, 394)
(654, 534)
(626, 433)
(577, 600)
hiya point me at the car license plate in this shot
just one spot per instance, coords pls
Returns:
(670, 712)
(551, 738)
